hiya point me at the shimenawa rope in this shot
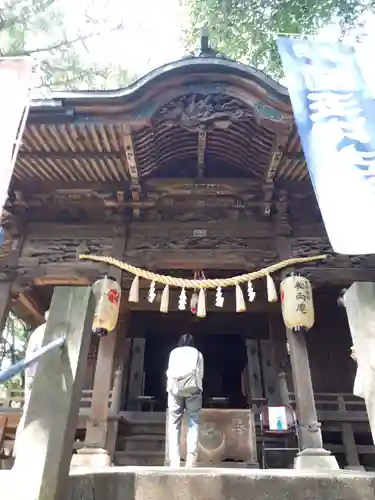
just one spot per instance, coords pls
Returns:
(203, 283)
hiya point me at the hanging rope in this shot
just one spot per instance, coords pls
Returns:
(202, 283)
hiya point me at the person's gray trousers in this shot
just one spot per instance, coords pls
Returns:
(177, 405)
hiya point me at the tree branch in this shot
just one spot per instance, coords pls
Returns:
(21, 17)
(62, 43)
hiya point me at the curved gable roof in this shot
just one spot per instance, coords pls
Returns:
(247, 117)
(188, 75)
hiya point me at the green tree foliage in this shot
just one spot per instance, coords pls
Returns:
(244, 30)
(60, 34)
(13, 342)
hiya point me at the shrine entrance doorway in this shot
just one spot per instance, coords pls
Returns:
(231, 345)
(222, 337)
(224, 361)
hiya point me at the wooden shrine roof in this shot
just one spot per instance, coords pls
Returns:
(225, 115)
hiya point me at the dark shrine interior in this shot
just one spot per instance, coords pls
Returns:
(221, 339)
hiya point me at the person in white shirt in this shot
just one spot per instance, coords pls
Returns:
(34, 344)
(184, 387)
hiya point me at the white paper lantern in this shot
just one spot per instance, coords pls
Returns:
(297, 303)
(108, 296)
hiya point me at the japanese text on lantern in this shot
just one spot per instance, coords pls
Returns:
(113, 296)
(336, 100)
(303, 295)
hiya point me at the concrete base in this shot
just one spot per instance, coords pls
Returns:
(93, 458)
(315, 459)
(355, 468)
(222, 465)
(161, 483)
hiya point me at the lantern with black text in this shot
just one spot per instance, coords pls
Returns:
(108, 295)
(297, 303)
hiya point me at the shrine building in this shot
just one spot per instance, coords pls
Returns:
(196, 169)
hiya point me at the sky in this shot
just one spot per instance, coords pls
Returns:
(152, 33)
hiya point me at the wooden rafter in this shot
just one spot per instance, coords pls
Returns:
(133, 171)
(72, 155)
(29, 187)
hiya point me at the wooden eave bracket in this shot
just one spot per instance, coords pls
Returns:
(201, 152)
(133, 171)
(269, 181)
(32, 309)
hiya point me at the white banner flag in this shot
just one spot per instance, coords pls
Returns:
(15, 88)
(332, 89)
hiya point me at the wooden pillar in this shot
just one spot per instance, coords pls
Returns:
(9, 261)
(312, 455)
(253, 372)
(253, 369)
(96, 429)
(5, 300)
(136, 376)
(95, 452)
(310, 433)
(116, 392)
(270, 372)
(280, 359)
(117, 389)
(45, 445)
(126, 371)
(283, 388)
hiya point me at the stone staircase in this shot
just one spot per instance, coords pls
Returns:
(143, 440)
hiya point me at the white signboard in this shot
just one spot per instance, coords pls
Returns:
(15, 87)
(277, 418)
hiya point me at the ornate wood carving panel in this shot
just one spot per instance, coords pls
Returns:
(185, 200)
(202, 244)
(337, 268)
(54, 251)
(195, 112)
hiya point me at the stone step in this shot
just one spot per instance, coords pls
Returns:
(143, 442)
(139, 458)
(144, 427)
(155, 458)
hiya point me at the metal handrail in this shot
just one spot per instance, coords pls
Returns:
(20, 366)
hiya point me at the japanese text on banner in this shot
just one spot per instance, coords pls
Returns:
(334, 99)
